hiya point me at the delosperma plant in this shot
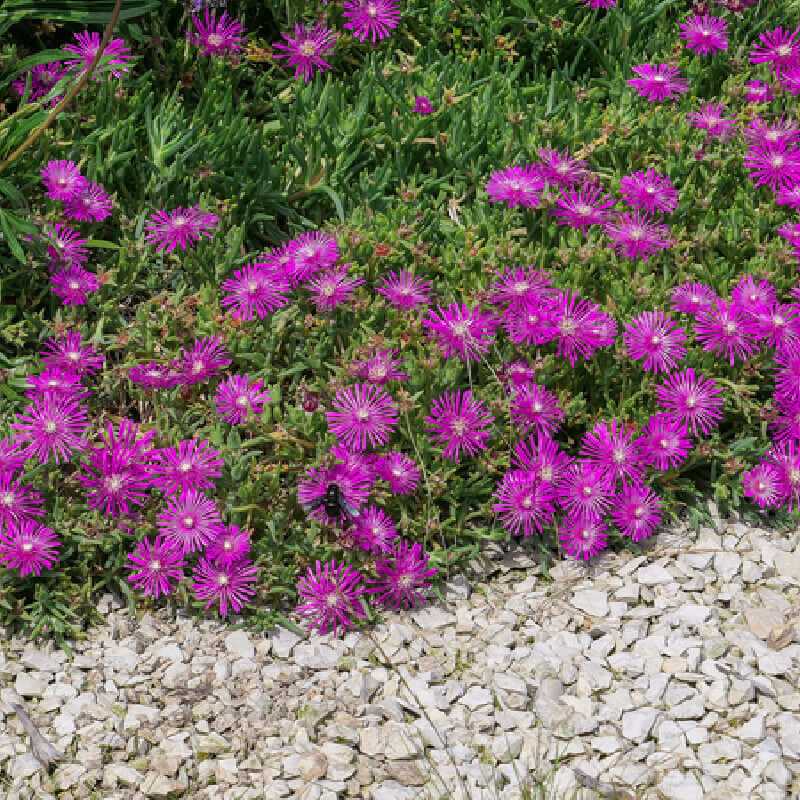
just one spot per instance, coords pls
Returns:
(309, 327)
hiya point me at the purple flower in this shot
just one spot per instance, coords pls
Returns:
(534, 323)
(665, 442)
(753, 296)
(583, 207)
(461, 331)
(649, 191)
(216, 37)
(535, 407)
(637, 512)
(705, 34)
(71, 354)
(11, 462)
(615, 449)
(789, 196)
(757, 92)
(63, 180)
(776, 325)
(763, 485)
(774, 165)
(524, 504)
(543, 457)
(54, 427)
(599, 3)
(582, 328)
(74, 285)
(115, 59)
(582, 538)
(157, 565)
(57, 382)
(312, 252)
(91, 204)
(231, 546)
(190, 465)
(153, 375)
(381, 368)
(44, 78)
(371, 19)
(789, 79)
(785, 457)
(354, 481)
(655, 340)
(374, 530)
(403, 577)
(305, 49)
(693, 298)
(65, 247)
(117, 480)
(230, 586)
(585, 490)
(423, 105)
(560, 168)
(363, 416)
(238, 399)
(399, 471)
(191, 521)
(205, 359)
(658, 82)
(691, 399)
(636, 235)
(29, 548)
(787, 378)
(332, 288)
(709, 119)
(460, 424)
(516, 186)
(780, 132)
(786, 425)
(516, 374)
(404, 290)
(777, 47)
(332, 597)
(179, 228)
(18, 502)
(256, 290)
(520, 287)
(723, 330)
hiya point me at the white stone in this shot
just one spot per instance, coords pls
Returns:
(28, 686)
(693, 614)
(392, 790)
(726, 565)
(653, 575)
(676, 785)
(637, 724)
(24, 766)
(238, 644)
(477, 697)
(591, 601)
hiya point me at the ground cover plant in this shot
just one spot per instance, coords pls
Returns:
(302, 303)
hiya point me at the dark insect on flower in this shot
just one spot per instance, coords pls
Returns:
(335, 505)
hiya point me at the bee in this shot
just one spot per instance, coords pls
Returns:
(335, 505)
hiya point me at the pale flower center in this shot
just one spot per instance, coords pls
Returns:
(73, 356)
(636, 233)
(179, 222)
(526, 501)
(794, 476)
(114, 483)
(776, 161)
(778, 320)
(619, 456)
(222, 580)
(521, 287)
(650, 190)
(242, 401)
(537, 407)
(659, 79)
(214, 39)
(397, 472)
(372, 10)
(188, 522)
(461, 328)
(197, 366)
(50, 427)
(328, 290)
(691, 401)
(308, 48)
(586, 534)
(405, 582)
(459, 426)
(546, 474)
(639, 512)
(583, 209)
(587, 491)
(656, 339)
(377, 371)
(227, 545)
(8, 499)
(784, 50)
(730, 327)
(27, 547)
(184, 466)
(772, 136)
(155, 565)
(252, 286)
(74, 285)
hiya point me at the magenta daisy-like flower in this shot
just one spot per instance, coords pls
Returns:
(787, 378)
(600, 3)
(404, 290)
(582, 538)
(114, 61)
(91, 204)
(214, 36)
(516, 374)
(231, 546)
(777, 47)
(331, 597)
(536, 407)
(763, 485)
(581, 327)
(71, 354)
(204, 360)
(789, 196)
(312, 252)
(524, 504)
(182, 227)
(156, 566)
(65, 247)
(780, 132)
(461, 331)
(43, 79)
(353, 479)
(423, 105)
(758, 92)
(655, 340)
(543, 457)
(256, 290)
(305, 49)
(693, 298)
(191, 521)
(11, 462)
(636, 235)
(581, 208)
(153, 375)
(665, 441)
(403, 577)
(516, 186)
(363, 416)
(517, 287)
(238, 399)
(692, 399)
(54, 427)
(332, 288)
(459, 424)
(752, 295)
(791, 232)
(658, 82)
(615, 449)
(711, 120)
(789, 79)
(18, 502)
(281, 261)
(705, 34)
(29, 548)
(585, 490)
(535, 322)
(229, 586)
(399, 471)
(560, 168)
(190, 465)
(381, 368)
(63, 180)
(116, 480)
(776, 325)
(786, 425)
(785, 457)
(74, 285)
(724, 330)
(374, 530)
(649, 191)
(371, 19)
(773, 165)
(57, 382)
(637, 512)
